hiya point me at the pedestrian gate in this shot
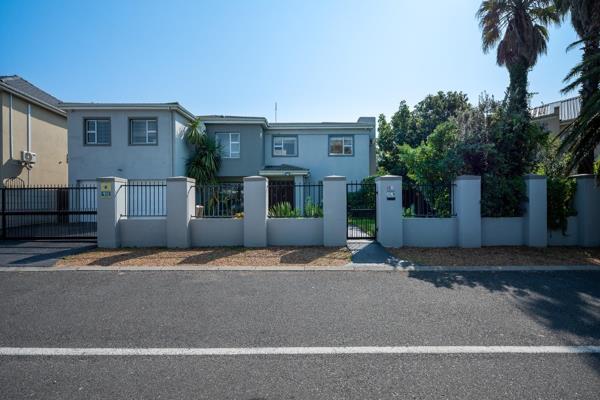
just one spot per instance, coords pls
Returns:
(361, 214)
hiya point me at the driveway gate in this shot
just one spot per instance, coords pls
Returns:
(49, 212)
(361, 213)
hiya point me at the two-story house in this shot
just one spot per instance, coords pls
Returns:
(293, 151)
(147, 141)
(133, 141)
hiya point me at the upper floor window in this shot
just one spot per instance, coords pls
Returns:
(143, 131)
(97, 131)
(341, 145)
(229, 144)
(285, 146)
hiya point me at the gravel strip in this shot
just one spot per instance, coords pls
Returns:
(499, 256)
(217, 256)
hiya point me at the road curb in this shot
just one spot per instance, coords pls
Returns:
(301, 268)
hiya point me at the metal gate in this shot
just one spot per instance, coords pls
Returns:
(49, 212)
(361, 214)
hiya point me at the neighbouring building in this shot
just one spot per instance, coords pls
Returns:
(133, 141)
(34, 135)
(147, 142)
(557, 116)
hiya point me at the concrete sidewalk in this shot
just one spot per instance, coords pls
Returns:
(304, 268)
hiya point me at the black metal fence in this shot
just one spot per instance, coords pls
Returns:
(427, 201)
(224, 200)
(145, 198)
(290, 200)
(49, 212)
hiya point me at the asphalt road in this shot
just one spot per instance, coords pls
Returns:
(281, 309)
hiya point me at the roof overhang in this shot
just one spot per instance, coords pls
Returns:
(283, 172)
(129, 106)
(231, 120)
(32, 99)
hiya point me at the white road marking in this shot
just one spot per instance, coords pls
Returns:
(247, 351)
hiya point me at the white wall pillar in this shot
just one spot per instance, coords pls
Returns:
(255, 211)
(389, 210)
(587, 205)
(111, 201)
(467, 205)
(535, 217)
(335, 230)
(181, 201)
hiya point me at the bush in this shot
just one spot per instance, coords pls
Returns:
(283, 210)
(502, 196)
(561, 192)
(312, 210)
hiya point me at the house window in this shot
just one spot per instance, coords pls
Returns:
(341, 145)
(143, 131)
(229, 144)
(97, 131)
(285, 146)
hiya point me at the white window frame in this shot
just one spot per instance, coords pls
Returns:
(226, 151)
(279, 146)
(95, 131)
(347, 141)
(148, 131)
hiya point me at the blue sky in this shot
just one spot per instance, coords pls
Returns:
(320, 60)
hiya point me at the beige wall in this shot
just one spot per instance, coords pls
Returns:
(48, 141)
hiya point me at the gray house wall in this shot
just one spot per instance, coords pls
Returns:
(120, 158)
(251, 149)
(313, 153)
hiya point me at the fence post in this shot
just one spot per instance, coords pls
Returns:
(587, 205)
(467, 196)
(3, 212)
(389, 210)
(111, 194)
(335, 230)
(255, 211)
(180, 206)
(535, 217)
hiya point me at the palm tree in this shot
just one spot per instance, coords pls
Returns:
(206, 161)
(585, 18)
(583, 135)
(519, 28)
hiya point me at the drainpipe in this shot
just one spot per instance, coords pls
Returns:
(172, 143)
(28, 127)
(10, 126)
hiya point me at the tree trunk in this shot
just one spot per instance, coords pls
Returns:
(517, 89)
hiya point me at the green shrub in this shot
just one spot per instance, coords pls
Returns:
(502, 196)
(561, 192)
(283, 210)
(312, 210)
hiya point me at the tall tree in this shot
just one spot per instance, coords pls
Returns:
(585, 18)
(386, 145)
(206, 160)
(519, 28)
(401, 123)
(432, 111)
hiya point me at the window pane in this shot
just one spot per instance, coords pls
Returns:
(90, 138)
(348, 150)
(152, 125)
(152, 137)
(103, 133)
(138, 131)
(235, 137)
(289, 147)
(335, 146)
(91, 125)
(223, 142)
